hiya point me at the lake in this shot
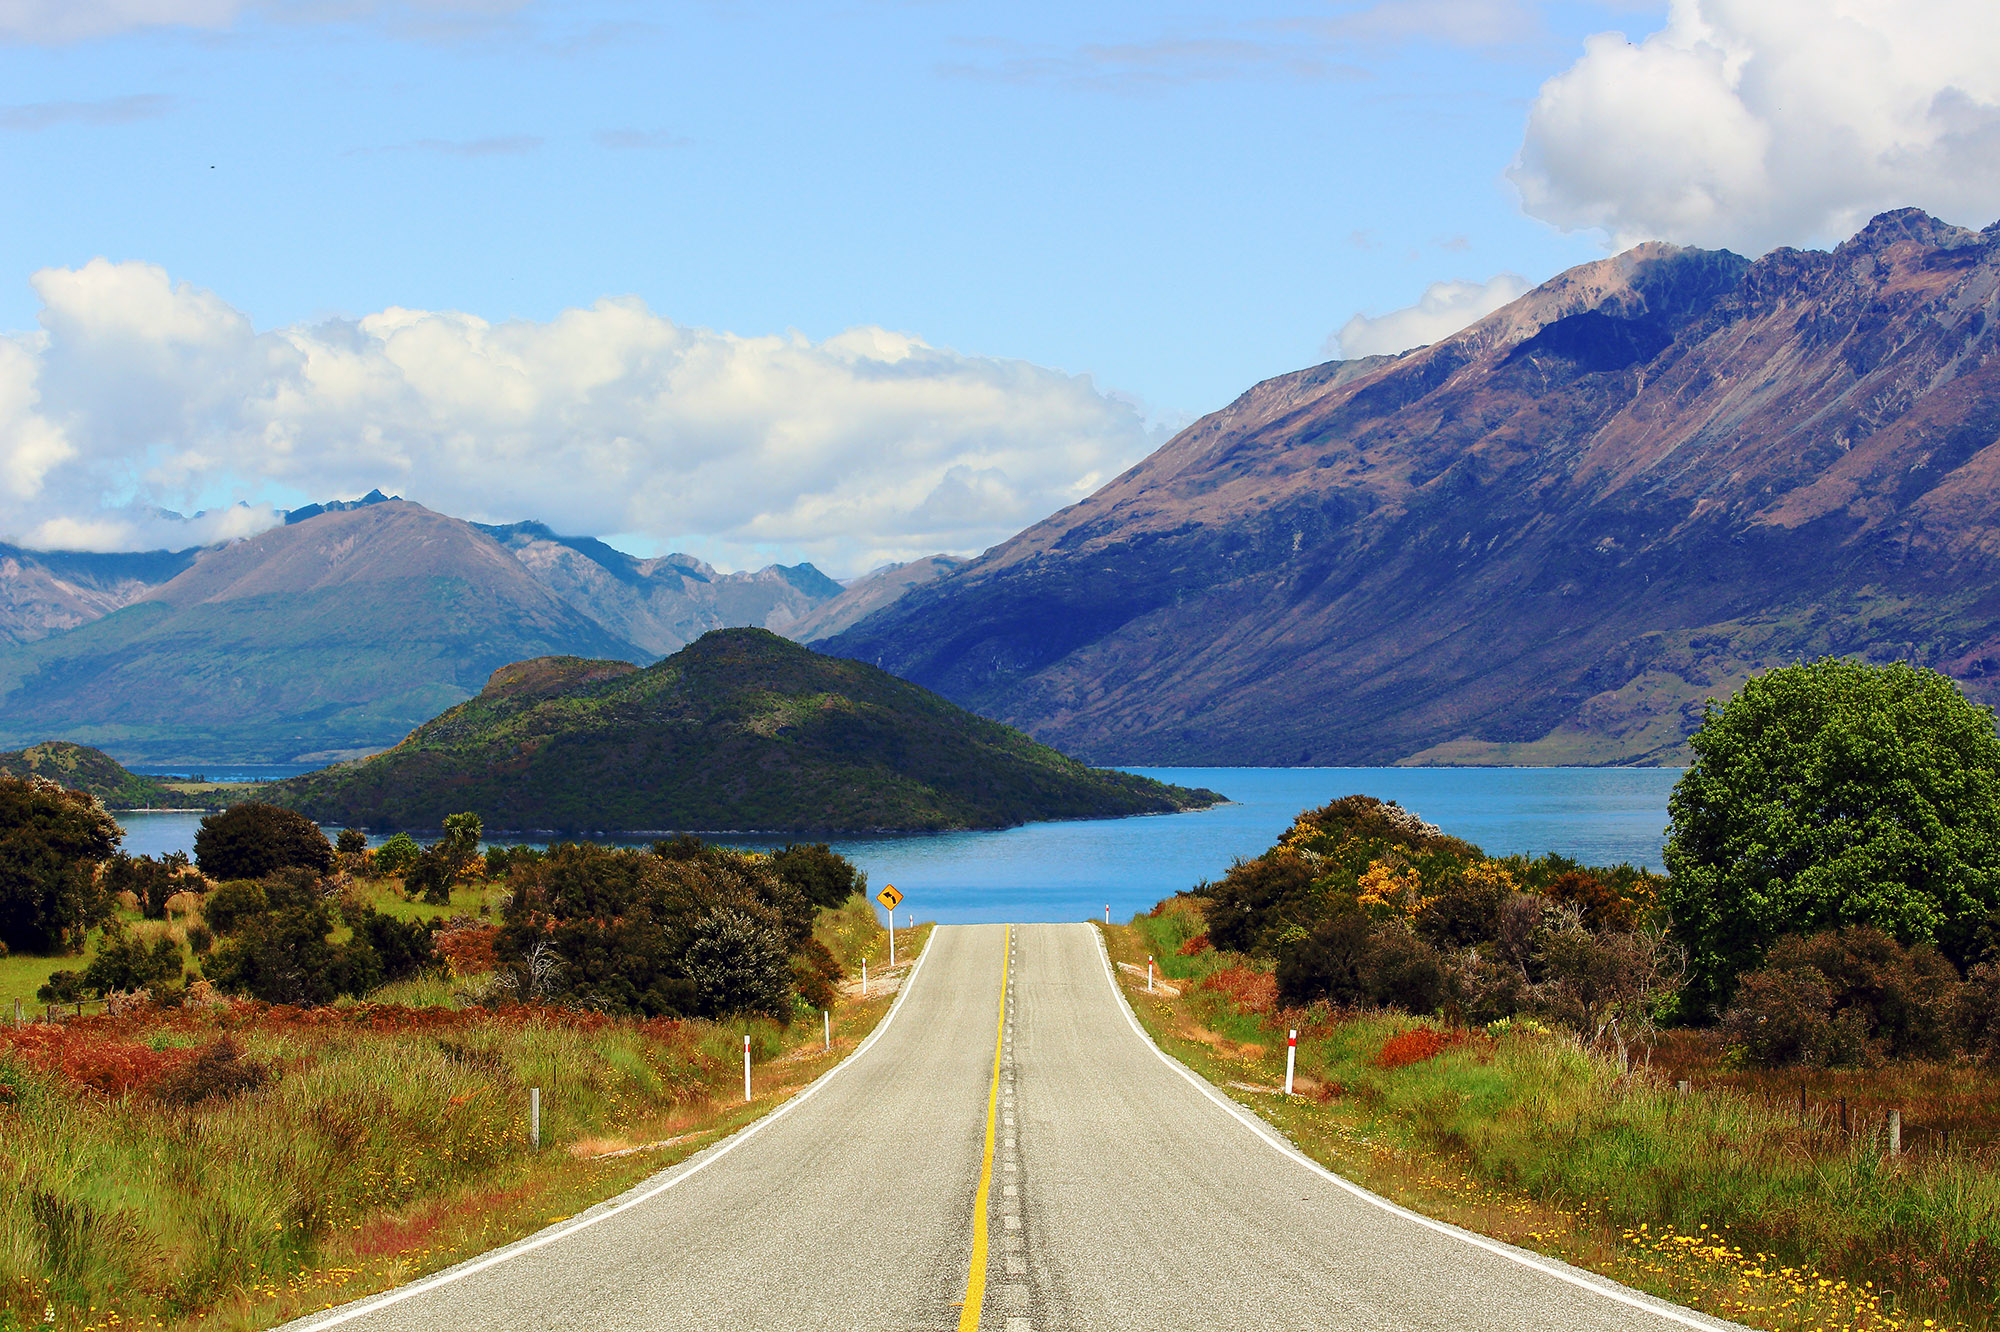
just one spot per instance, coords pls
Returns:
(1073, 870)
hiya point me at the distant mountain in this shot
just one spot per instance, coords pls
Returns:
(663, 604)
(743, 731)
(81, 768)
(870, 593)
(1546, 538)
(335, 634)
(45, 592)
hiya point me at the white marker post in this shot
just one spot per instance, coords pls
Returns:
(1107, 913)
(864, 978)
(535, 1119)
(826, 1016)
(1149, 973)
(1291, 1059)
(746, 1068)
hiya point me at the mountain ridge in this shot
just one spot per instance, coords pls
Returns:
(1545, 538)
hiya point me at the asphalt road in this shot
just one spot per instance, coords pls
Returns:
(1125, 1194)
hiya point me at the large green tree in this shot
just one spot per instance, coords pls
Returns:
(50, 842)
(1833, 793)
(251, 840)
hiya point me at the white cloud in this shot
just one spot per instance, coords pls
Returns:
(868, 446)
(1444, 308)
(1756, 123)
(55, 22)
(33, 116)
(52, 21)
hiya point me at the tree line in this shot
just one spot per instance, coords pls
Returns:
(1832, 895)
(272, 912)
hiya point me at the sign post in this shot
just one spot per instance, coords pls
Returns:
(1291, 1059)
(890, 899)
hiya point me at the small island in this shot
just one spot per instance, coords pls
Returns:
(741, 732)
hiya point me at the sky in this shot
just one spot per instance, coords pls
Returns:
(850, 282)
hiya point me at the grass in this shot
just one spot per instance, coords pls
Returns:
(1720, 1198)
(391, 1142)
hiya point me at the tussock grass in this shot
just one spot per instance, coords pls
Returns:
(1712, 1197)
(390, 1141)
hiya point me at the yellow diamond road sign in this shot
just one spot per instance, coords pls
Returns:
(889, 897)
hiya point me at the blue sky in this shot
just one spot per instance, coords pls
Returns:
(1174, 202)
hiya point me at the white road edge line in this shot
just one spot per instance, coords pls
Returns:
(1598, 1286)
(687, 1170)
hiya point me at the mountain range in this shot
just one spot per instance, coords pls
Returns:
(1547, 538)
(338, 632)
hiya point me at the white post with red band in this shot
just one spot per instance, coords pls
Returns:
(1291, 1059)
(1149, 973)
(746, 1068)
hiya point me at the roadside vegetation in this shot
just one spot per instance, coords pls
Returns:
(1767, 1086)
(310, 1080)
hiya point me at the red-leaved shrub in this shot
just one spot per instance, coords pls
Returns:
(1412, 1047)
(469, 948)
(1195, 945)
(1251, 991)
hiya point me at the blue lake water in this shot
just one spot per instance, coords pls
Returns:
(1069, 871)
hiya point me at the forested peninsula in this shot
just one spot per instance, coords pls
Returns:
(741, 731)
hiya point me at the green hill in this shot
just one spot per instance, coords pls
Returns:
(741, 731)
(81, 768)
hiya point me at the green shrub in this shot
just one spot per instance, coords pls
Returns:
(62, 987)
(429, 876)
(1325, 962)
(351, 842)
(284, 957)
(124, 962)
(251, 840)
(1400, 970)
(403, 946)
(1848, 996)
(738, 965)
(825, 879)
(397, 854)
(229, 904)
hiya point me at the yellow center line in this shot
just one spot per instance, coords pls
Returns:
(975, 1283)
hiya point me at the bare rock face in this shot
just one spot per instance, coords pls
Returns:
(1545, 539)
(667, 602)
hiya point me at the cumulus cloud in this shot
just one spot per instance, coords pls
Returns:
(1444, 308)
(868, 446)
(1756, 123)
